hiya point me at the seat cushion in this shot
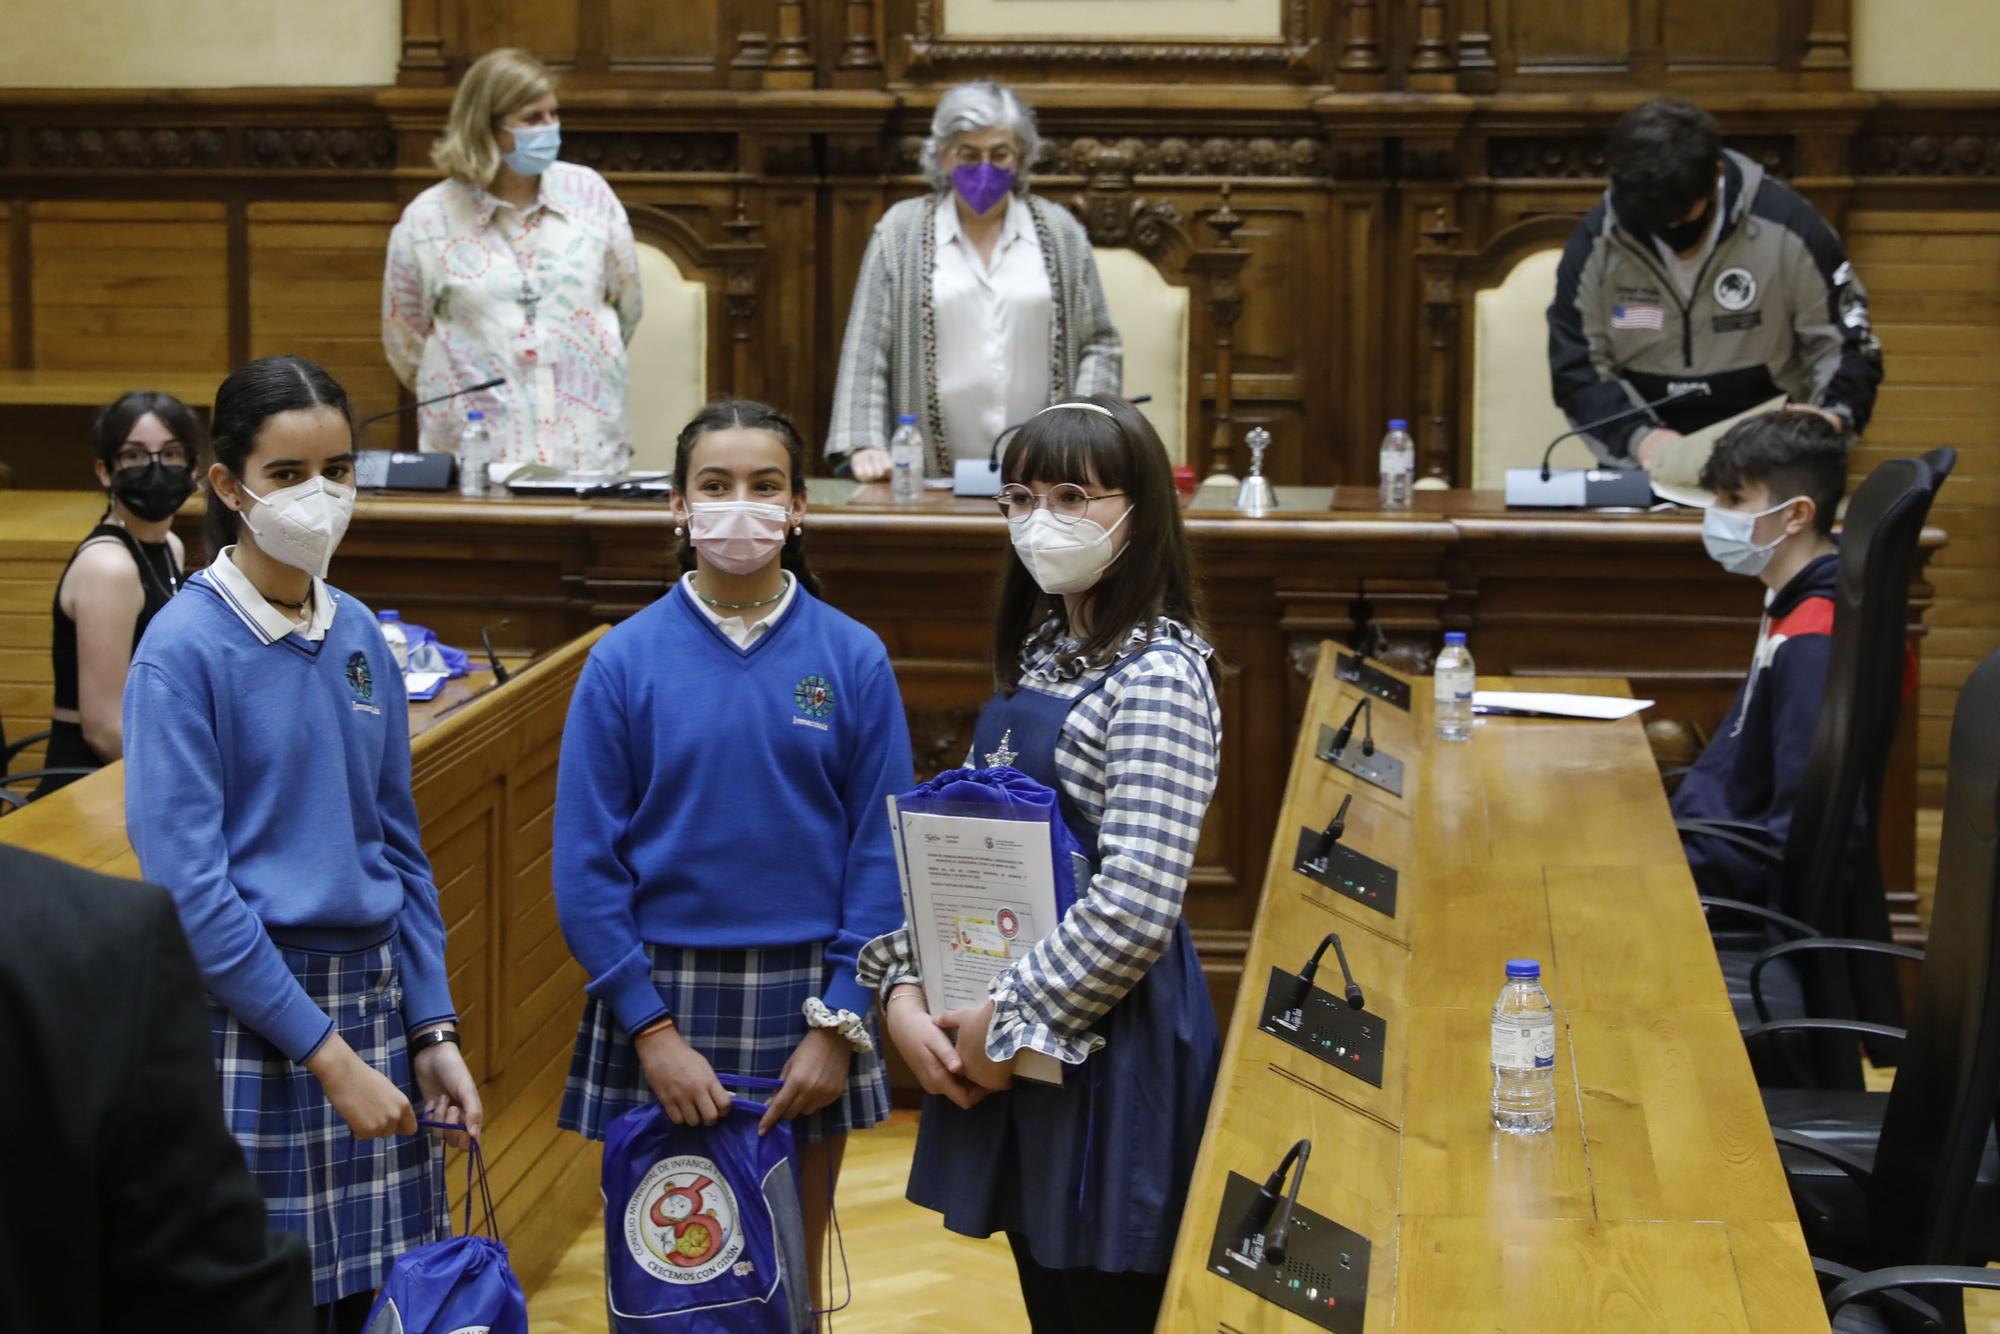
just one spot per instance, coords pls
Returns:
(1833, 1208)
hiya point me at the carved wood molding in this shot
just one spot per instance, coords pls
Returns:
(1237, 157)
(1296, 51)
(153, 148)
(1576, 157)
(1926, 153)
(1115, 216)
(326, 148)
(611, 151)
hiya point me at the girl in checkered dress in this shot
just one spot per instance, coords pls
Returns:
(267, 786)
(721, 834)
(1105, 694)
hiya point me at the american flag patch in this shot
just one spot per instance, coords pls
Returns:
(1644, 315)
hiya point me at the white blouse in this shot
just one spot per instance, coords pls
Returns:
(992, 329)
(546, 297)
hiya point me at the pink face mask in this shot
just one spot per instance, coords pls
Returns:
(738, 536)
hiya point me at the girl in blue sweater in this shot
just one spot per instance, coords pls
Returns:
(722, 836)
(267, 786)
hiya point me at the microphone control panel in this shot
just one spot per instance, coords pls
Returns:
(1381, 769)
(1366, 676)
(1350, 874)
(1353, 1041)
(1324, 1277)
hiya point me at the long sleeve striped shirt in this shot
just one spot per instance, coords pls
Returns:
(1139, 756)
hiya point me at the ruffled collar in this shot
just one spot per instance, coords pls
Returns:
(1052, 655)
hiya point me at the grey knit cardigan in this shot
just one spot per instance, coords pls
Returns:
(888, 362)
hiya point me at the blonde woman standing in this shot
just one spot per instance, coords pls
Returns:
(520, 267)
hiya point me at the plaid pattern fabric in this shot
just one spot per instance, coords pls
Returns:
(358, 1204)
(743, 1010)
(887, 370)
(1139, 756)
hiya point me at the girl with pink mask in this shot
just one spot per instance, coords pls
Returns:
(721, 844)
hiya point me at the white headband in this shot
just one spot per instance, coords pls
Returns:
(1081, 407)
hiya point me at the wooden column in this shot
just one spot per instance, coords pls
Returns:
(423, 44)
(1432, 68)
(1436, 268)
(1828, 62)
(791, 54)
(860, 58)
(1477, 73)
(1222, 266)
(1360, 68)
(741, 258)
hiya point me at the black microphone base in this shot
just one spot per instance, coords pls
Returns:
(1352, 875)
(1352, 1041)
(1381, 769)
(1324, 1277)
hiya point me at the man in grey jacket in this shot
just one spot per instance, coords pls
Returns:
(1698, 274)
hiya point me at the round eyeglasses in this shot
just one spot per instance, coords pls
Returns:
(1066, 501)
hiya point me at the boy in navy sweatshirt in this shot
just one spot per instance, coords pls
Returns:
(1778, 479)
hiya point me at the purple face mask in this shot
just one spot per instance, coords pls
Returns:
(983, 185)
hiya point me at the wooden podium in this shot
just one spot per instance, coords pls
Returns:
(1656, 1203)
(483, 762)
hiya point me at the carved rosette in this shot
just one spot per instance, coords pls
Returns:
(1911, 153)
(1581, 158)
(620, 151)
(159, 148)
(335, 148)
(1229, 156)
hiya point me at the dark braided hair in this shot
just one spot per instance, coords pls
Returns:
(742, 414)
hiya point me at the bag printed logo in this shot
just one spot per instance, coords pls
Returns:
(1735, 288)
(682, 1223)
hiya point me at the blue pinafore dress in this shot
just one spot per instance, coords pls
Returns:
(1092, 1174)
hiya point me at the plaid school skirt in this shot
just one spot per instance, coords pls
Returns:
(743, 1011)
(359, 1204)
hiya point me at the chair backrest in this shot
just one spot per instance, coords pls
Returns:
(1941, 1108)
(1832, 876)
(1514, 412)
(668, 358)
(1151, 316)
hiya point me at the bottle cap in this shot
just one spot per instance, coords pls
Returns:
(907, 419)
(1454, 636)
(1524, 970)
(1398, 424)
(388, 615)
(475, 416)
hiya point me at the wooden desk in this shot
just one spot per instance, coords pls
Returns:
(1541, 593)
(1656, 1203)
(484, 772)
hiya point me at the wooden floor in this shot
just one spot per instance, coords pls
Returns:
(910, 1275)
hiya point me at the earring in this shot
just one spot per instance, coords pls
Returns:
(679, 531)
(798, 530)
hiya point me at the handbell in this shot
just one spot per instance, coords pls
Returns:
(1255, 497)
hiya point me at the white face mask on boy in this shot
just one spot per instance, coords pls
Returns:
(300, 525)
(1730, 536)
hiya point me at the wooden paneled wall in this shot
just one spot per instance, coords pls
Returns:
(1376, 151)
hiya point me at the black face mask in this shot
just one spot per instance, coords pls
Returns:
(1684, 236)
(152, 491)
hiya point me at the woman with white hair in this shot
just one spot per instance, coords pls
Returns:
(516, 267)
(978, 304)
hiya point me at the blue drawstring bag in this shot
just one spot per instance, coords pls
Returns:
(1000, 793)
(462, 1283)
(703, 1229)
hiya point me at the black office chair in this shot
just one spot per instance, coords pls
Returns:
(1912, 1177)
(1827, 874)
(27, 779)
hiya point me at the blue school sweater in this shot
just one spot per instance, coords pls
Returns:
(267, 787)
(727, 798)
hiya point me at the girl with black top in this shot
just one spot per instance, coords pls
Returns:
(122, 573)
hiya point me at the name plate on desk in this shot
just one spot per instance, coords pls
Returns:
(1350, 874)
(1381, 769)
(1359, 672)
(1353, 1041)
(1325, 1274)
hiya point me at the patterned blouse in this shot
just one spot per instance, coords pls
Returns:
(547, 297)
(1140, 757)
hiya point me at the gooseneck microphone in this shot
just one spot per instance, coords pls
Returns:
(1278, 1238)
(366, 422)
(1355, 1000)
(500, 673)
(1322, 845)
(1683, 391)
(1346, 732)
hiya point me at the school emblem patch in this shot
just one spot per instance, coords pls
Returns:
(682, 1223)
(813, 696)
(359, 679)
(1735, 288)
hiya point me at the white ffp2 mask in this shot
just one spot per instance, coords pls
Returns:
(300, 525)
(1065, 558)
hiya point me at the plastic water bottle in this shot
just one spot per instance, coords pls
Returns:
(1452, 682)
(1524, 1052)
(1399, 465)
(906, 461)
(399, 642)
(475, 451)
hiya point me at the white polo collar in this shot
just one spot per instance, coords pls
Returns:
(1012, 228)
(252, 608)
